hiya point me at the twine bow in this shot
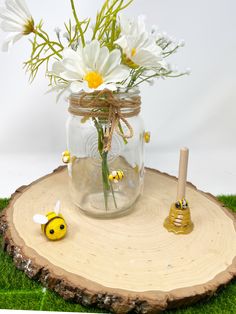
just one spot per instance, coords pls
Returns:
(108, 106)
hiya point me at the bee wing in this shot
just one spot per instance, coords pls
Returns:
(40, 219)
(57, 207)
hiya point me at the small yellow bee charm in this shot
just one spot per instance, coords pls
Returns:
(116, 176)
(66, 158)
(53, 224)
(147, 137)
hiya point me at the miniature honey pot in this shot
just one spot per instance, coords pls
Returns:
(179, 219)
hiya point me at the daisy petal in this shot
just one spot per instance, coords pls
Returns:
(70, 76)
(146, 58)
(141, 23)
(57, 68)
(112, 87)
(10, 41)
(117, 75)
(122, 42)
(6, 15)
(112, 62)
(126, 25)
(102, 59)
(91, 52)
(74, 59)
(70, 54)
(23, 6)
(101, 87)
(8, 26)
(76, 87)
(86, 88)
(13, 7)
(74, 66)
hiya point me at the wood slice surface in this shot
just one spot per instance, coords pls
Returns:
(131, 263)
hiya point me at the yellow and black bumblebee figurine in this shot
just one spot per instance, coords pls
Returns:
(116, 176)
(53, 224)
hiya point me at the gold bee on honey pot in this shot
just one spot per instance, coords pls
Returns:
(53, 225)
(183, 204)
(116, 176)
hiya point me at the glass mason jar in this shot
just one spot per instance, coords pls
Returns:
(105, 184)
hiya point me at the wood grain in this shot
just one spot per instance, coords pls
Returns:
(126, 264)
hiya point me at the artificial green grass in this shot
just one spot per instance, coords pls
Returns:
(18, 292)
(229, 201)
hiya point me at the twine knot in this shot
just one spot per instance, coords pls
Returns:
(105, 104)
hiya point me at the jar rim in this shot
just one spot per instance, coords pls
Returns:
(128, 103)
(134, 91)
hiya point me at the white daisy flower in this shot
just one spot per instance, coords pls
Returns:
(139, 47)
(17, 20)
(91, 68)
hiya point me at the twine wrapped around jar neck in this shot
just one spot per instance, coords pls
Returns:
(109, 106)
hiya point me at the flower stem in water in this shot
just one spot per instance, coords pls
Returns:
(107, 185)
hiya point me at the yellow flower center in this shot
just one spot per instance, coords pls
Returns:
(129, 62)
(94, 79)
(28, 27)
(133, 52)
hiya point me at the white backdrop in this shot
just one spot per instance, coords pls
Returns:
(198, 111)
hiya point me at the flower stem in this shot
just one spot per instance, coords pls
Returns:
(105, 173)
(77, 22)
(107, 185)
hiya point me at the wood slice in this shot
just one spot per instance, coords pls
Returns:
(126, 264)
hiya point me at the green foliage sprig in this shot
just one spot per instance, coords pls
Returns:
(43, 49)
(107, 30)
